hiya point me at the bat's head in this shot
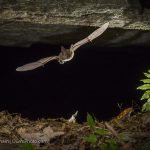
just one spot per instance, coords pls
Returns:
(62, 49)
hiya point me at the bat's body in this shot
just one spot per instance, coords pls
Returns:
(65, 54)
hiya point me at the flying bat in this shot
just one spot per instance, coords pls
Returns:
(65, 54)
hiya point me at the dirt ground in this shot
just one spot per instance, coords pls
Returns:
(17, 133)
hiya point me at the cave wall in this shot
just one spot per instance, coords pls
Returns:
(23, 23)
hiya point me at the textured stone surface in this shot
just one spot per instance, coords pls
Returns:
(23, 23)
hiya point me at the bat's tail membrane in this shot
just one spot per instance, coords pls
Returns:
(98, 32)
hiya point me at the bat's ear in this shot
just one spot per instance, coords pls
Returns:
(62, 48)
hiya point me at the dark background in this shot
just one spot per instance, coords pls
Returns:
(94, 81)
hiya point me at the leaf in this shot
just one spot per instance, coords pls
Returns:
(104, 147)
(146, 80)
(110, 145)
(145, 146)
(90, 120)
(92, 138)
(146, 106)
(26, 146)
(144, 87)
(146, 95)
(147, 75)
(100, 131)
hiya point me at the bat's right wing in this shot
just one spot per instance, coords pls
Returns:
(80, 43)
(36, 64)
(98, 32)
(91, 37)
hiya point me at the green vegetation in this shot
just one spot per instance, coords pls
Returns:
(96, 133)
(26, 146)
(109, 145)
(92, 138)
(90, 121)
(146, 146)
(146, 88)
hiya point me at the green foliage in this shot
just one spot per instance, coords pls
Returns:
(146, 80)
(146, 88)
(146, 95)
(92, 138)
(146, 106)
(100, 131)
(146, 146)
(26, 146)
(147, 74)
(109, 145)
(90, 120)
(95, 132)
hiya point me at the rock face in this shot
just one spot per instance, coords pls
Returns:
(23, 23)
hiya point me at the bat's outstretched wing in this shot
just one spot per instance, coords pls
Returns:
(98, 32)
(36, 64)
(92, 36)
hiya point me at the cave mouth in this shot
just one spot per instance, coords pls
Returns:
(95, 81)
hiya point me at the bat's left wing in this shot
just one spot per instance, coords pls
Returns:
(36, 64)
(91, 37)
(29, 66)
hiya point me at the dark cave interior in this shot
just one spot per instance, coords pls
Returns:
(95, 81)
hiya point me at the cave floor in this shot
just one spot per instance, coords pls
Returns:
(17, 133)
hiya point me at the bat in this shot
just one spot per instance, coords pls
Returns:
(65, 54)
